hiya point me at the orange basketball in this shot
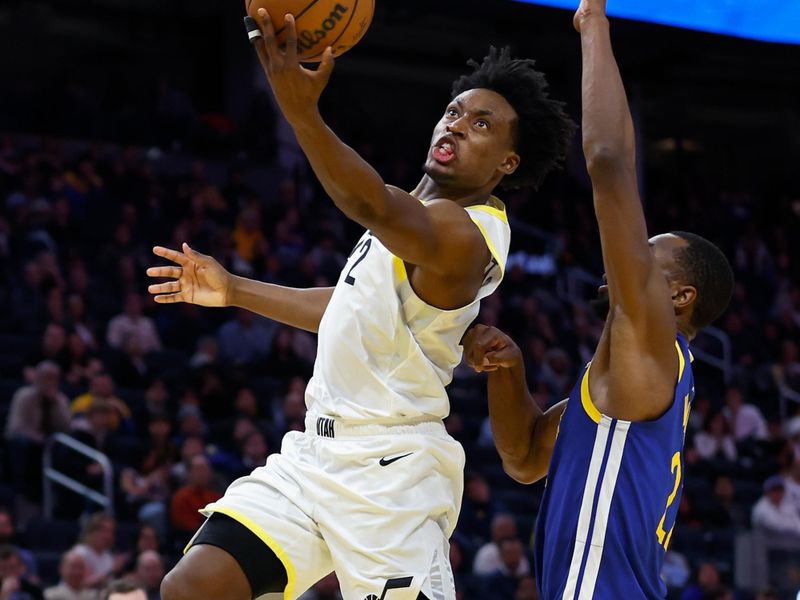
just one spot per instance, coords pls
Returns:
(320, 23)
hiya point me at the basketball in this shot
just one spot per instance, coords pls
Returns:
(320, 23)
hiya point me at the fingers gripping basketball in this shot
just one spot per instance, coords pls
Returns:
(339, 24)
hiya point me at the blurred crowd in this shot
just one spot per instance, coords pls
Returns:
(183, 400)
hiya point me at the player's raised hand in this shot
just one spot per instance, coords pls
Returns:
(196, 279)
(488, 349)
(296, 88)
(587, 9)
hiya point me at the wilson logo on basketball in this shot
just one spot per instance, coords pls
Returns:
(309, 38)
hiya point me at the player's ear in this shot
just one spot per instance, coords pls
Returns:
(510, 164)
(683, 296)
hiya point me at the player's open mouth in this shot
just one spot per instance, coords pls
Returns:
(444, 152)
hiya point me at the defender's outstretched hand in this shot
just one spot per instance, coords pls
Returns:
(488, 349)
(296, 88)
(198, 279)
(589, 8)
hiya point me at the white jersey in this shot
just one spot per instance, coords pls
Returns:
(384, 355)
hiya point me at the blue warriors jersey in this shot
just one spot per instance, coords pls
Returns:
(611, 498)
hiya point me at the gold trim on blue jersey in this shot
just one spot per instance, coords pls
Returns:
(586, 398)
(681, 361)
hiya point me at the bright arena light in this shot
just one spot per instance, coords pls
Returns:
(755, 19)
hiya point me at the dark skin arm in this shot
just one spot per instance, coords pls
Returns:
(444, 248)
(524, 435)
(199, 279)
(639, 382)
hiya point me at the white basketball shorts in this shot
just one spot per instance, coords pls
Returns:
(377, 504)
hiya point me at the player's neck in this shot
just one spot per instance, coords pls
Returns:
(428, 189)
(686, 330)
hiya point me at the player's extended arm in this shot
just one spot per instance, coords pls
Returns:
(524, 435)
(637, 287)
(441, 238)
(199, 279)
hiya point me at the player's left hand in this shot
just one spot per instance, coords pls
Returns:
(296, 88)
(488, 349)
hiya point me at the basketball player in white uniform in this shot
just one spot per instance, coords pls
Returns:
(372, 488)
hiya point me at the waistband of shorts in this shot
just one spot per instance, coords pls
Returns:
(333, 428)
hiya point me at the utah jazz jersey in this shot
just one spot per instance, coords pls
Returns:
(611, 498)
(384, 355)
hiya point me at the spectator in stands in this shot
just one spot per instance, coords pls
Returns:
(787, 372)
(8, 537)
(147, 539)
(746, 421)
(102, 388)
(130, 368)
(767, 595)
(246, 339)
(74, 577)
(156, 400)
(503, 582)
(478, 510)
(248, 237)
(206, 352)
(97, 430)
(189, 499)
(53, 347)
(774, 513)
(149, 573)
(722, 511)
(133, 322)
(15, 584)
(124, 590)
(291, 413)
(715, 443)
(253, 453)
(488, 560)
(147, 497)
(37, 411)
(192, 446)
(95, 546)
(76, 308)
(792, 484)
(708, 581)
(82, 362)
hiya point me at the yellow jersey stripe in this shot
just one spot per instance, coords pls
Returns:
(586, 398)
(491, 210)
(399, 269)
(681, 361)
(492, 249)
(291, 577)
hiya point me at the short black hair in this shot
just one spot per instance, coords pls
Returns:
(707, 269)
(544, 132)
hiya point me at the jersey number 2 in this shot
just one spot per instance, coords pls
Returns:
(364, 249)
(664, 537)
